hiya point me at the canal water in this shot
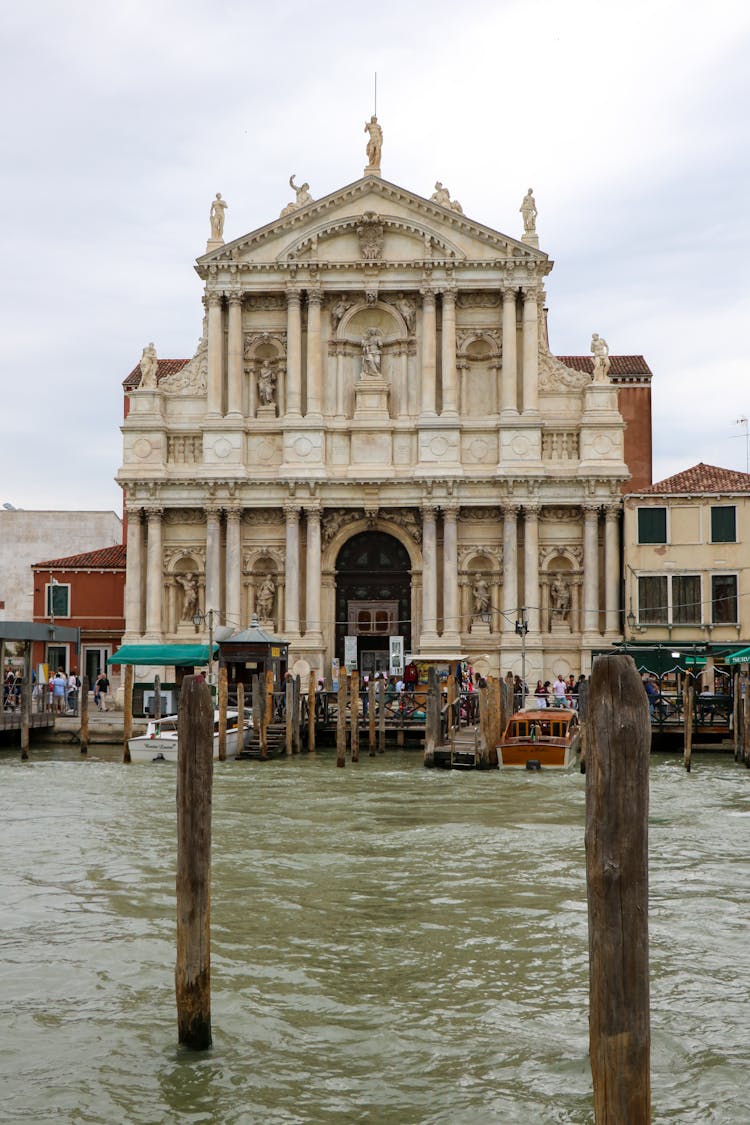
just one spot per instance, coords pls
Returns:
(390, 944)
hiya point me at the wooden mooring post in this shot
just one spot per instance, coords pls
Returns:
(194, 781)
(341, 721)
(381, 715)
(355, 716)
(311, 712)
(157, 697)
(688, 721)
(371, 717)
(297, 713)
(289, 714)
(127, 715)
(84, 705)
(431, 716)
(222, 701)
(617, 891)
(736, 715)
(746, 722)
(583, 707)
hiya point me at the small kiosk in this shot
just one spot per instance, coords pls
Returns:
(253, 652)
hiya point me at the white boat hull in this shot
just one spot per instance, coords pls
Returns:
(160, 743)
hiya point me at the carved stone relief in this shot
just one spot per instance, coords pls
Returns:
(193, 377)
(371, 234)
(479, 300)
(184, 515)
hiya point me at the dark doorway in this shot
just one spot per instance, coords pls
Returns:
(373, 597)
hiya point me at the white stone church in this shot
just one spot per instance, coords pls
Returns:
(374, 440)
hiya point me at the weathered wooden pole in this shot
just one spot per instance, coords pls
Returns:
(617, 887)
(355, 716)
(127, 711)
(194, 780)
(267, 710)
(297, 710)
(127, 717)
(381, 716)
(263, 708)
(583, 706)
(371, 717)
(484, 724)
(746, 723)
(289, 714)
(240, 718)
(495, 695)
(341, 721)
(25, 717)
(736, 715)
(258, 706)
(157, 697)
(451, 700)
(431, 716)
(311, 713)
(689, 701)
(222, 701)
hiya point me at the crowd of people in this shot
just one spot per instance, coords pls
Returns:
(59, 694)
(560, 692)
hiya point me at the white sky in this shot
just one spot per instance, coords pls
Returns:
(629, 119)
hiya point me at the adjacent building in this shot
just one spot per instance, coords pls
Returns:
(374, 439)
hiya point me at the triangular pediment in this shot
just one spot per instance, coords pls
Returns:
(372, 219)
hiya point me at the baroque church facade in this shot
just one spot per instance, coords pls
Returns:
(373, 439)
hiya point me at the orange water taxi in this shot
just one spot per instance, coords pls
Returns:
(540, 739)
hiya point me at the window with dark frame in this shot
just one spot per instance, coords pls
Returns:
(652, 600)
(724, 524)
(58, 600)
(724, 599)
(652, 525)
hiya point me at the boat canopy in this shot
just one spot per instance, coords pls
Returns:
(178, 656)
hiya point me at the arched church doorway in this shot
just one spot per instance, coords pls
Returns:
(373, 597)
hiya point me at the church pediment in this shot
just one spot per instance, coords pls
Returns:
(371, 220)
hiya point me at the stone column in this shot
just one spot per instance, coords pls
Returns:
(312, 589)
(508, 400)
(215, 377)
(291, 568)
(154, 575)
(429, 344)
(234, 355)
(451, 611)
(530, 351)
(314, 355)
(293, 352)
(234, 569)
(510, 568)
(213, 562)
(134, 574)
(612, 570)
(429, 574)
(590, 568)
(450, 395)
(531, 567)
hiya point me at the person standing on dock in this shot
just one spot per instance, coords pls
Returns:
(102, 686)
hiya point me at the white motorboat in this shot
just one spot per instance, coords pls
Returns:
(159, 743)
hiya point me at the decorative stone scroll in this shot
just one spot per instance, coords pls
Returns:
(555, 376)
(371, 234)
(193, 377)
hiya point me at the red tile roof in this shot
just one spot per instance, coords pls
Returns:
(106, 558)
(165, 367)
(619, 364)
(701, 479)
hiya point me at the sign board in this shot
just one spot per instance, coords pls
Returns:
(396, 656)
(335, 673)
(695, 661)
(350, 654)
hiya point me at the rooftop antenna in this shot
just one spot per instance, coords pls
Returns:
(744, 422)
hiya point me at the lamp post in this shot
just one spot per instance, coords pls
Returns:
(522, 628)
(198, 619)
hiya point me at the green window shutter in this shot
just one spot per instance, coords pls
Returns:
(652, 525)
(724, 524)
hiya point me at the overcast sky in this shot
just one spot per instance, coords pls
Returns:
(629, 120)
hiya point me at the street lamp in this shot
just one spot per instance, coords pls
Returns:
(522, 628)
(198, 619)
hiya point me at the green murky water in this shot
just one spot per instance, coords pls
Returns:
(390, 944)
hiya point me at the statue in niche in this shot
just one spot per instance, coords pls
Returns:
(481, 595)
(560, 598)
(149, 366)
(266, 385)
(265, 598)
(371, 349)
(217, 216)
(529, 212)
(602, 362)
(442, 196)
(374, 143)
(189, 586)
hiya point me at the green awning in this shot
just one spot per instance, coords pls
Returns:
(740, 657)
(179, 656)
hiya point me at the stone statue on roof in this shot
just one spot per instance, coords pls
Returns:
(374, 144)
(303, 196)
(529, 212)
(442, 196)
(149, 366)
(217, 216)
(602, 362)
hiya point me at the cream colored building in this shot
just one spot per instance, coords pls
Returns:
(373, 439)
(686, 558)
